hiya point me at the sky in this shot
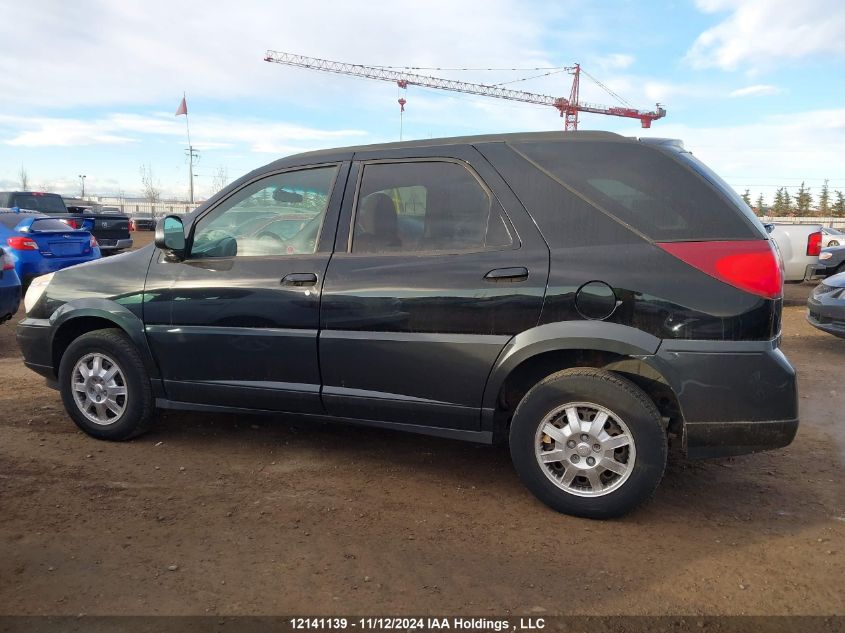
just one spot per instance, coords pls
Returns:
(755, 88)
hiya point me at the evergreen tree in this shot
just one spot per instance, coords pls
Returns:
(824, 200)
(803, 200)
(746, 197)
(777, 206)
(761, 205)
(787, 203)
(839, 206)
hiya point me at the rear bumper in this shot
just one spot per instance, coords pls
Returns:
(827, 318)
(107, 246)
(735, 397)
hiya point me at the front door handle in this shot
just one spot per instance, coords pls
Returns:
(507, 275)
(299, 279)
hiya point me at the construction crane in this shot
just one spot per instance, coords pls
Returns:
(568, 108)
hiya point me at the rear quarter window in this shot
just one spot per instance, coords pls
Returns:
(644, 188)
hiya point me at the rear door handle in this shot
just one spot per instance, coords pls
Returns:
(512, 275)
(299, 279)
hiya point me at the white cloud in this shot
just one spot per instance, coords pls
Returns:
(213, 132)
(760, 33)
(104, 53)
(757, 90)
(615, 61)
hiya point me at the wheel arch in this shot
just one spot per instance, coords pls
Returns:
(532, 355)
(76, 318)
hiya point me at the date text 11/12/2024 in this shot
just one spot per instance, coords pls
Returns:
(416, 624)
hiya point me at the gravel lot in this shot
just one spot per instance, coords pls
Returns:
(235, 515)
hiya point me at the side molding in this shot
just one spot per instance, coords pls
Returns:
(567, 335)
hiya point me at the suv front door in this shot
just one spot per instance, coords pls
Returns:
(235, 324)
(436, 267)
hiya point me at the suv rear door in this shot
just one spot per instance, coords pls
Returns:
(436, 267)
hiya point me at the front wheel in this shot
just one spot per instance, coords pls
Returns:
(105, 387)
(589, 443)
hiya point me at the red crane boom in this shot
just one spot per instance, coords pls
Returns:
(568, 108)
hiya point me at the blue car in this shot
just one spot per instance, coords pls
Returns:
(39, 244)
(10, 287)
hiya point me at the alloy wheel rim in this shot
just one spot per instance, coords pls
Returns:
(585, 449)
(99, 388)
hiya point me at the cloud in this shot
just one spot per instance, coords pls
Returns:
(760, 33)
(615, 61)
(104, 53)
(757, 90)
(214, 132)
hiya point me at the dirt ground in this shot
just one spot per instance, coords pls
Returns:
(250, 515)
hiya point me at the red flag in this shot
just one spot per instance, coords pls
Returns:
(183, 108)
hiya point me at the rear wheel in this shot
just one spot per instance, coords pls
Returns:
(589, 443)
(105, 387)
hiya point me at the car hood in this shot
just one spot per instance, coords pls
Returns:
(835, 281)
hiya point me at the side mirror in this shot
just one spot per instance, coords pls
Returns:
(170, 236)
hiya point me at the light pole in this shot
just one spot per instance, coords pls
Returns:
(82, 178)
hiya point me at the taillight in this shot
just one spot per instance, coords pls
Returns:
(22, 244)
(750, 265)
(72, 223)
(93, 242)
(132, 225)
(814, 244)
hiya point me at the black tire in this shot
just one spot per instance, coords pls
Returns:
(626, 402)
(139, 409)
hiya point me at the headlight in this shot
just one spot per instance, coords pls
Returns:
(825, 255)
(36, 288)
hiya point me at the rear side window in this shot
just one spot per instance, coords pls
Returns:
(425, 206)
(11, 220)
(644, 188)
(45, 204)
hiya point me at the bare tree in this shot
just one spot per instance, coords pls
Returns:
(221, 179)
(151, 188)
(23, 176)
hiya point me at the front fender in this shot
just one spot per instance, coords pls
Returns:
(566, 335)
(109, 310)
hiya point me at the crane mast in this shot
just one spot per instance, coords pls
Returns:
(568, 108)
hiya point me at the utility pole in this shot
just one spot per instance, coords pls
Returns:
(82, 178)
(192, 154)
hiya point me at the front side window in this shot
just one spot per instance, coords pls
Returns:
(277, 215)
(425, 206)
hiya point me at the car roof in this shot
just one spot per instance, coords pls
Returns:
(515, 137)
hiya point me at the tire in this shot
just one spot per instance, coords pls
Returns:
(132, 412)
(579, 483)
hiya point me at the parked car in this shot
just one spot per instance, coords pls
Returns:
(826, 306)
(799, 246)
(110, 229)
(832, 237)
(454, 289)
(38, 243)
(142, 222)
(10, 287)
(831, 262)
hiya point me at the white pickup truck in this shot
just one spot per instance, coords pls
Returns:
(799, 246)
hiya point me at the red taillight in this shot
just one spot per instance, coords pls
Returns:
(814, 244)
(72, 223)
(750, 265)
(22, 244)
